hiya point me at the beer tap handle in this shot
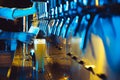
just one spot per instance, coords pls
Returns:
(78, 26)
(91, 23)
(72, 26)
(59, 27)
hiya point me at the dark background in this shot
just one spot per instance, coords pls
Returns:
(16, 25)
(10, 25)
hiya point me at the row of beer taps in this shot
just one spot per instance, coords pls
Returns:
(77, 18)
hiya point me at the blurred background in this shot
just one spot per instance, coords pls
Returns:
(81, 41)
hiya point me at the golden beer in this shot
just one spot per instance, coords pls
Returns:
(40, 51)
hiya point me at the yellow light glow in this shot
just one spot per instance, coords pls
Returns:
(100, 60)
(8, 74)
(97, 2)
(49, 60)
(87, 66)
(65, 78)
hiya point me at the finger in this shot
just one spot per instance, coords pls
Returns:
(31, 35)
(31, 43)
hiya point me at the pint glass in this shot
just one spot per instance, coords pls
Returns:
(40, 51)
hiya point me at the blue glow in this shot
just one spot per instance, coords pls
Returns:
(13, 45)
(101, 2)
(85, 2)
(79, 9)
(52, 10)
(66, 6)
(45, 7)
(59, 27)
(60, 8)
(72, 26)
(118, 1)
(75, 1)
(75, 5)
(84, 22)
(76, 19)
(54, 3)
(51, 24)
(82, 38)
(80, 1)
(56, 12)
(55, 26)
(108, 29)
(88, 16)
(64, 28)
(32, 52)
(82, 31)
(71, 5)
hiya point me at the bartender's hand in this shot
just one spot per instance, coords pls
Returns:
(25, 37)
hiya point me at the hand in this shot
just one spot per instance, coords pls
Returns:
(25, 37)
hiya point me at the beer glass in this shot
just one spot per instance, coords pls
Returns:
(40, 51)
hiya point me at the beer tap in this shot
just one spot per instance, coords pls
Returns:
(64, 28)
(51, 20)
(58, 9)
(71, 29)
(67, 20)
(54, 27)
(59, 27)
(73, 7)
(55, 17)
(92, 13)
(84, 17)
(54, 12)
(74, 19)
(55, 24)
(60, 18)
(41, 10)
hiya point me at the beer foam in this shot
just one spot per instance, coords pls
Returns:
(39, 41)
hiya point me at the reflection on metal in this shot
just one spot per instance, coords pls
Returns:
(59, 27)
(9, 72)
(85, 2)
(71, 29)
(64, 28)
(42, 9)
(43, 25)
(50, 25)
(49, 59)
(66, 6)
(64, 78)
(60, 8)
(87, 66)
(55, 27)
(25, 46)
